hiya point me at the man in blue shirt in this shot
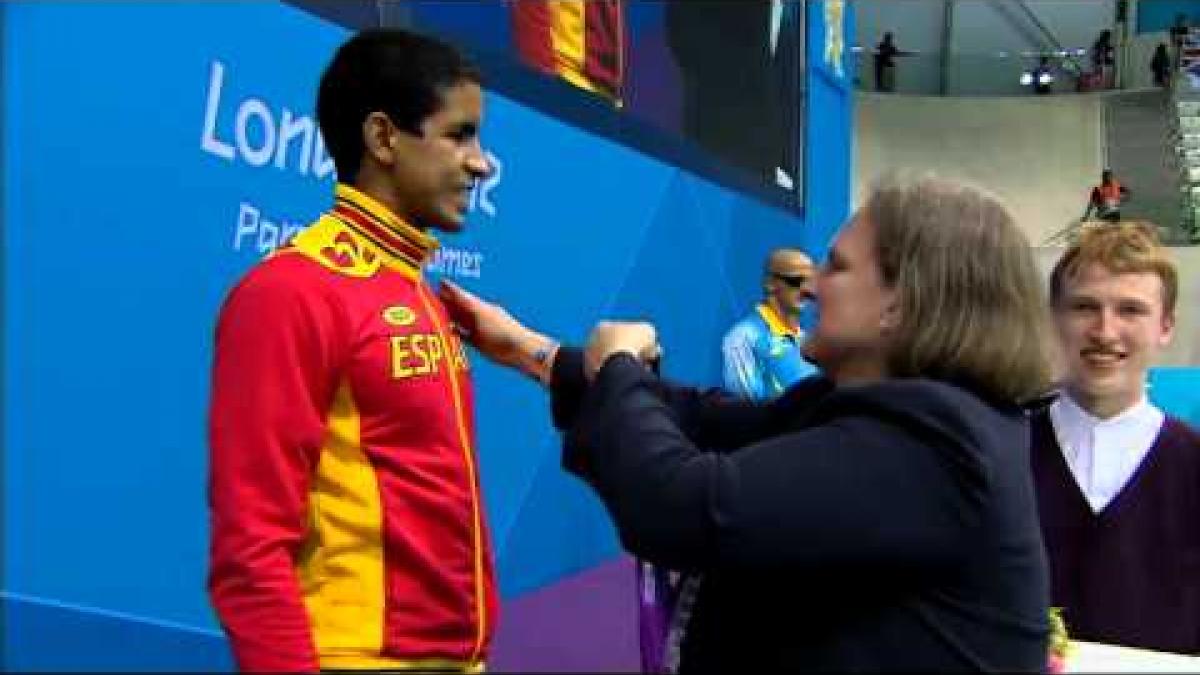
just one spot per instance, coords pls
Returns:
(761, 352)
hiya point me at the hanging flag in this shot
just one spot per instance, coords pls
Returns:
(581, 41)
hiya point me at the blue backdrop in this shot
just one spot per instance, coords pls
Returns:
(153, 152)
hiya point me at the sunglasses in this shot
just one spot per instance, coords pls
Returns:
(793, 281)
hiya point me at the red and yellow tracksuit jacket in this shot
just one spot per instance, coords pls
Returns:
(347, 522)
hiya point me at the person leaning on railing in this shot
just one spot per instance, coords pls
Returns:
(1105, 199)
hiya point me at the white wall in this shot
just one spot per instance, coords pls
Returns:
(1041, 154)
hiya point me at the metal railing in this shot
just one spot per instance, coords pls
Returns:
(976, 74)
(1186, 136)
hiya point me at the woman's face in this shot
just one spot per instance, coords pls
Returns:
(855, 308)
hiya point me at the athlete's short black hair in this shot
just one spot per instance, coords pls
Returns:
(397, 72)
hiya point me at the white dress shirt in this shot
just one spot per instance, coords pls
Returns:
(1103, 454)
(776, 20)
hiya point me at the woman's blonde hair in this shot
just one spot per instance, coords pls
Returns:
(971, 300)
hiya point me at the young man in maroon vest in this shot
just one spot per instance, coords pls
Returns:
(1118, 481)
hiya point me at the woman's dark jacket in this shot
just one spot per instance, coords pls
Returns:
(889, 526)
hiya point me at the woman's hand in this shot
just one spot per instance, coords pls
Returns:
(496, 334)
(638, 339)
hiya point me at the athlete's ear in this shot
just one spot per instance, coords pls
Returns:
(379, 136)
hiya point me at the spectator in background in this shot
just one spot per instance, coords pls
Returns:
(761, 353)
(1118, 481)
(885, 63)
(1103, 59)
(1160, 65)
(1042, 76)
(1105, 199)
(1179, 31)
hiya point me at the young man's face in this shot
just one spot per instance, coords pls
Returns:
(434, 172)
(1110, 326)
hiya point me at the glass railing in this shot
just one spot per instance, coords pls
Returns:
(1186, 95)
(992, 74)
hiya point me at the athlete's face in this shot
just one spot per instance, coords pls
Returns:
(433, 172)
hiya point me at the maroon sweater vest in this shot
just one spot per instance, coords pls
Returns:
(1130, 574)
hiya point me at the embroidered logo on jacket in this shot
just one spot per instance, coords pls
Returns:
(334, 246)
(399, 315)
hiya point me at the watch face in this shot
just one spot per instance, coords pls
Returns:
(778, 345)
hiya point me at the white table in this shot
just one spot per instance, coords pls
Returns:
(1093, 657)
